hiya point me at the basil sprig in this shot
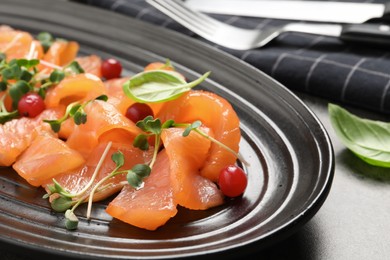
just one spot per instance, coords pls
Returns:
(368, 139)
(158, 85)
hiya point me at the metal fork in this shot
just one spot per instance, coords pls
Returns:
(230, 36)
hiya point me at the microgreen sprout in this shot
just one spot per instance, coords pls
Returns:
(74, 110)
(21, 76)
(153, 127)
(195, 126)
(5, 115)
(46, 39)
(63, 201)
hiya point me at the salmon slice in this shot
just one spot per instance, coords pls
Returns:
(151, 206)
(16, 135)
(75, 180)
(158, 66)
(104, 123)
(15, 44)
(81, 87)
(187, 156)
(45, 158)
(37, 50)
(214, 112)
(90, 64)
(60, 53)
(174, 180)
(116, 95)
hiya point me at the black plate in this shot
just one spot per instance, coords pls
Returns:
(290, 155)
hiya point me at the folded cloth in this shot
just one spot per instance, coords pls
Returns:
(323, 66)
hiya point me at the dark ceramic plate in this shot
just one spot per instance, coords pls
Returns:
(290, 154)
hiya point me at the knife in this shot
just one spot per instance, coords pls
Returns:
(336, 12)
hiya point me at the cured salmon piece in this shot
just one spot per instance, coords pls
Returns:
(15, 44)
(80, 87)
(36, 50)
(214, 112)
(151, 206)
(187, 156)
(104, 123)
(46, 157)
(90, 64)
(116, 95)
(158, 66)
(174, 180)
(75, 180)
(60, 53)
(16, 135)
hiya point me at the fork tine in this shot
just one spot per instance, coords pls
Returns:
(197, 22)
(191, 13)
(213, 30)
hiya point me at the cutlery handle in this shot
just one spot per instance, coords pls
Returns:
(366, 33)
(386, 12)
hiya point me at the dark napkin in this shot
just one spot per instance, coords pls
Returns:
(323, 66)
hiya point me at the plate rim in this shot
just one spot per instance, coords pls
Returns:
(296, 222)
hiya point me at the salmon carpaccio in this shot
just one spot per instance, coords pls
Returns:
(174, 180)
(186, 170)
(214, 112)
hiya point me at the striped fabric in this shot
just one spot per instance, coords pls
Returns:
(323, 66)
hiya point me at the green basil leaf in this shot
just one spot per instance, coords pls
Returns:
(158, 85)
(368, 139)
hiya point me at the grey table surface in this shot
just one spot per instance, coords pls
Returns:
(354, 221)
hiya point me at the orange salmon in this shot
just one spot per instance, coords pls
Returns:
(45, 158)
(214, 112)
(16, 135)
